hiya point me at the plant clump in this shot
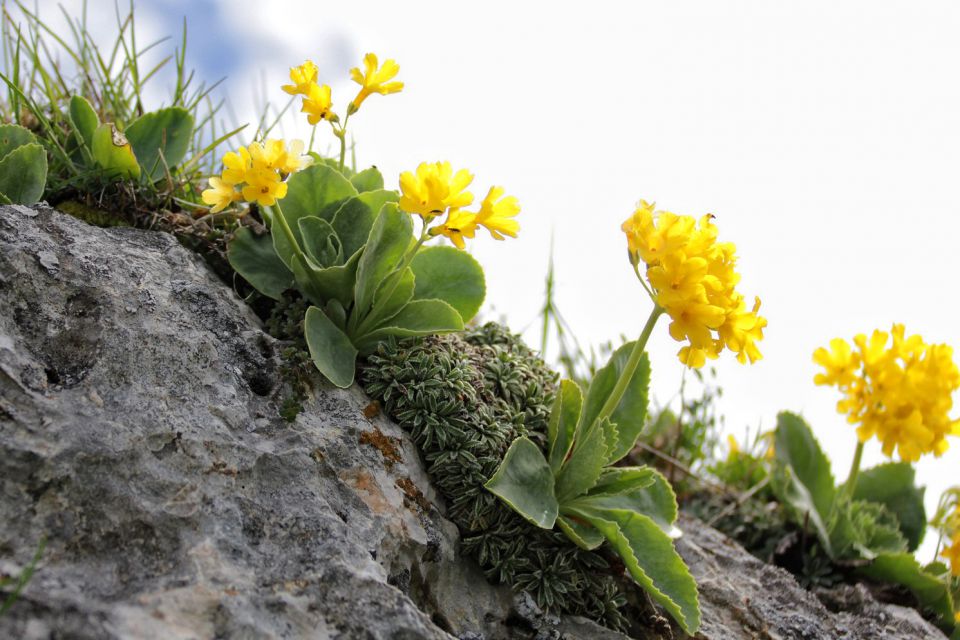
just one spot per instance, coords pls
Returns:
(464, 399)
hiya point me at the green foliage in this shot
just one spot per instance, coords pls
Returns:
(354, 257)
(19, 582)
(86, 105)
(924, 583)
(633, 509)
(894, 486)
(23, 166)
(465, 398)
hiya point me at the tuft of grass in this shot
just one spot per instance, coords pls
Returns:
(20, 582)
(43, 68)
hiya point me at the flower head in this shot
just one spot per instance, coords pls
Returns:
(895, 388)
(497, 212)
(459, 224)
(434, 188)
(693, 278)
(221, 194)
(264, 187)
(317, 104)
(374, 79)
(952, 555)
(303, 77)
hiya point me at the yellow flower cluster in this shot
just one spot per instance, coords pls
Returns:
(434, 190)
(693, 278)
(256, 174)
(317, 98)
(901, 393)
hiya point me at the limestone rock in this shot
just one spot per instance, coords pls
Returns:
(139, 435)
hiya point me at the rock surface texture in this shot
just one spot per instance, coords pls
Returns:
(139, 435)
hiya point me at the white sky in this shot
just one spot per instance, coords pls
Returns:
(824, 136)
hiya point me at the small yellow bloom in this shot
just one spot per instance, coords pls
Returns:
(458, 225)
(952, 555)
(220, 194)
(317, 104)
(238, 165)
(374, 79)
(264, 187)
(275, 155)
(497, 212)
(303, 78)
(733, 445)
(840, 363)
(434, 188)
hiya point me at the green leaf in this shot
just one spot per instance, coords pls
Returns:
(384, 310)
(631, 413)
(648, 554)
(581, 533)
(320, 242)
(446, 273)
(367, 180)
(355, 217)
(651, 495)
(563, 422)
(331, 349)
(113, 153)
(903, 568)
(4, 199)
(84, 120)
(583, 466)
(336, 313)
(13, 136)
(860, 530)
(389, 240)
(319, 190)
(320, 285)
(524, 481)
(802, 478)
(160, 140)
(23, 174)
(418, 318)
(254, 258)
(893, 485)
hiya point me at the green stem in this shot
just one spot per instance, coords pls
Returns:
(617, 394)
(851, 484)
(313, 134)
(342, 134)
(394, 281)
(292, 239)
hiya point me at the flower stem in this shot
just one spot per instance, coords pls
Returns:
(313, 134)
(851, 484)
(280, 219)
(342, 134)
(625, 376)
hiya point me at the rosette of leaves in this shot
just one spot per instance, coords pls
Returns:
(572, 484)
(873, 529)
(464, 398)
(23, 166)
(149, 148)
(352, 262)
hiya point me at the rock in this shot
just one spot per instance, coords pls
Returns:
(742, 597)
(139, 435)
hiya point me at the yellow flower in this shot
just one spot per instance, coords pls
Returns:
(733, 446)
(840, 363)
(317, 104)
(693, 278)
(303, 78)
(458, 225)
(264, 187)
(434, 188)
(275, 155)
(496, 214)
(220, 194)
(895, 388)
(374, 79)
(952, 555)
(238, 165)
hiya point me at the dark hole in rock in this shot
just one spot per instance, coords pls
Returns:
(261, 382)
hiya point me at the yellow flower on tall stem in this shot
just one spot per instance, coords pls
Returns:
(318, 104)
(303, 78)
(497, 212)
(374, 79)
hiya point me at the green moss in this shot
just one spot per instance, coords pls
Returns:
(464, 399)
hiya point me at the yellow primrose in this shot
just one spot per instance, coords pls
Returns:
(434, 188)
(303, 77)
(840, 363)
(237, 165)
(264, 187)
(317, 104)
(952, 555)
(276, 155)
(742, 330)
(374, 79)
(497, 212)
(459, 224)
(220, 194)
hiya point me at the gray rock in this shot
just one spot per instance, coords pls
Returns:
(139, 435)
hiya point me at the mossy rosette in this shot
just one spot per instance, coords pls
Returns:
(465, 398)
